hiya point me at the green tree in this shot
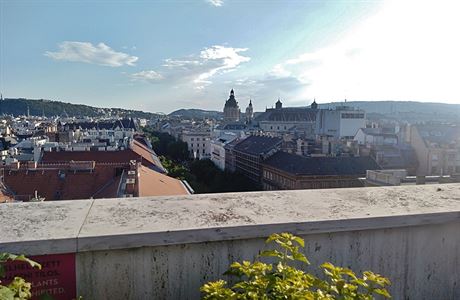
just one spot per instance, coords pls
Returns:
(280, 280)
(18, 288)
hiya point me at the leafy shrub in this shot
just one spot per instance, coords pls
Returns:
(259, 280)
(18, 289)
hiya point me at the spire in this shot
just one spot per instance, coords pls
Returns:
(250, 102)
(278, 104)
(314, 105)
(232, 93)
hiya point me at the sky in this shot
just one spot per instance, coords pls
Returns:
(160, 56)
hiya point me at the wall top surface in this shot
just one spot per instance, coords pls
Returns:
(86, 225)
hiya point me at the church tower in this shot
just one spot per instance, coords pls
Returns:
(314, 105)
(278, 104)
(249, 112)
(231, 109)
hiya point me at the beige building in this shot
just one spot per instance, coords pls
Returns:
(437, 148)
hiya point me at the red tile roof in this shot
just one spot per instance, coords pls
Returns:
(63, 184)
(137, 151)
(152, 183)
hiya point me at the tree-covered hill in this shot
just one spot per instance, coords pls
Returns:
(20, 106)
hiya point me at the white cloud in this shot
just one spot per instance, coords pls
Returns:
(99, 54)
(198, 69)
(147, 75)
(407, 51)
(216, 2)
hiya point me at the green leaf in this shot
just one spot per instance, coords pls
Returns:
(300, 257)
(6, 293)
(4, 257)
(382, 292)
(300, 241)
(271, 253)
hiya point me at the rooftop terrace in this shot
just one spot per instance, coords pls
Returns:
(166, 247)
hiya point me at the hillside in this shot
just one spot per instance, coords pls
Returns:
(20, 106)
(196, 114)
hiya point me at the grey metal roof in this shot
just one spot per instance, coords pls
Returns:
(258, 144)
(300, 165)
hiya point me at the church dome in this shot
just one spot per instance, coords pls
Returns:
(231, 102)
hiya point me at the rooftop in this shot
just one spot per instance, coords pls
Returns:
(300, 165)
(256, 144)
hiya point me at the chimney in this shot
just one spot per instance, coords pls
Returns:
(31, 165)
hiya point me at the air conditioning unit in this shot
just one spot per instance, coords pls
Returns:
(130, 181)
(132, 172)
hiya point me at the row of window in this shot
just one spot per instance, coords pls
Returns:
(198, 145)
(198, 139)
(450, 170)
(352, 116)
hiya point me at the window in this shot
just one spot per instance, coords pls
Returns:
(204, 145)
(191, 139)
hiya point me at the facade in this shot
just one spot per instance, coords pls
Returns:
(251, 152)
(218, 149)
(198, 142)
(231, 109)
(230, 164)
(342, 122)
(284, 171)
(375, 136)
(437, 147)
(280, 120)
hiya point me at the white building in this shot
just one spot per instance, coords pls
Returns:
(342, 122)
(218, 150)
(198, 143)
(375, 136)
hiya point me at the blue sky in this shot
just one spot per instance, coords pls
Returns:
(163, 55)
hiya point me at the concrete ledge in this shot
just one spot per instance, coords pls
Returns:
(153, 239)
(103, 224)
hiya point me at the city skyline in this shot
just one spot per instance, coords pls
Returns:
(167, 55)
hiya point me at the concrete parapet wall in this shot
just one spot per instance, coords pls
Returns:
(167, 247)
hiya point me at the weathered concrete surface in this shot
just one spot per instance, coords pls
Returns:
(42, 227)
(113, 224)
(167, 247)
(422, 262)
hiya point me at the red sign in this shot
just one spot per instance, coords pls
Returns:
(56, 280)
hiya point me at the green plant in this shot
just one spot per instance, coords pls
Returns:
(18, 288)
(259, 280)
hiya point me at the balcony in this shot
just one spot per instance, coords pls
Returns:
(167, 247)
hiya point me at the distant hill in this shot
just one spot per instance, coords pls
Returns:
(196, 114)
(20, 106)
(410, 111)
